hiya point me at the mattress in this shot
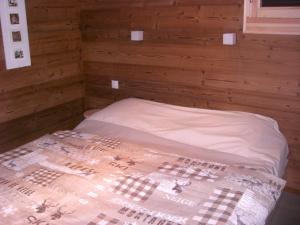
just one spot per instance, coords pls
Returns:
(249, 135)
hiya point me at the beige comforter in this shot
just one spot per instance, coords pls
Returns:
(78, 178)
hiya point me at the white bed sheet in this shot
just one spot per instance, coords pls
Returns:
(244, 134)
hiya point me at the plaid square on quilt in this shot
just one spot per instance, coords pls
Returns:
(102, 219)
(99, 143)
(219, 207)
(179, 171)
(108, 142)
(137, 189)
(67, 133)
(10, 155)
(43, 177)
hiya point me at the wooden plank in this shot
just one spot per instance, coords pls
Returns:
(52, 3)
(255, 99)
(183, 36)
(59, 25)
(46, 61)
(227, 60)
(281, 42)
(111, 71)
(24, 101)
(92, 102)
(108, 4)
(293, 179)
(204, 18)
(51, 13)
(10, 81)
(239, 54)
(43, 43)
(209, 2)
(20, 130)
(67, 124)
(252, 83)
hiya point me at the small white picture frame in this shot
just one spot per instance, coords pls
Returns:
(15, 33)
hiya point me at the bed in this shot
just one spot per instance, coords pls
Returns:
(143, 162)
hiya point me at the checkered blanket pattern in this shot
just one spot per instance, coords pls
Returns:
(7, 156)
(137, 189)
(67, 133)
(43, 177)
(108, 142)
(218, 208)
(102, 219)
(99, 144)
(206, 164)
(180, 171)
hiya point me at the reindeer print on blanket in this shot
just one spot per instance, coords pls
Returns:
(76, 178)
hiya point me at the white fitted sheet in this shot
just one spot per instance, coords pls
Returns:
(244, 134)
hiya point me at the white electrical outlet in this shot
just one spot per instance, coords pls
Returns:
(137, 35)
(114, 84)
(229, 38)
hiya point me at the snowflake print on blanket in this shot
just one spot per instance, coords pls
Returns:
(267, 188)
(8, 211)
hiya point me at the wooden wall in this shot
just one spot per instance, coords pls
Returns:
(48, 95)
(182, 61)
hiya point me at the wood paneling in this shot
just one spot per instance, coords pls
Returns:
(108, 4)
(182, 61)
(21, 130)
(47, 95)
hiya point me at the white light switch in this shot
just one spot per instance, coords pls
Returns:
(137, 35)
(229, 39)
(115, 84)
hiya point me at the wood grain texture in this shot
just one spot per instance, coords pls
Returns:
(21, 130)
(182, 61)
(108, 4)
(47, 95)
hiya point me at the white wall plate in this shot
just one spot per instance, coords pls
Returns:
(15, 33)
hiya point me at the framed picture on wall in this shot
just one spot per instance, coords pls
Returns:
(14, 18)
(16, 36)
(13, 3)
(15, 33)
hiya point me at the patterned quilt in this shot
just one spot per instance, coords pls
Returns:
(78, 178)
